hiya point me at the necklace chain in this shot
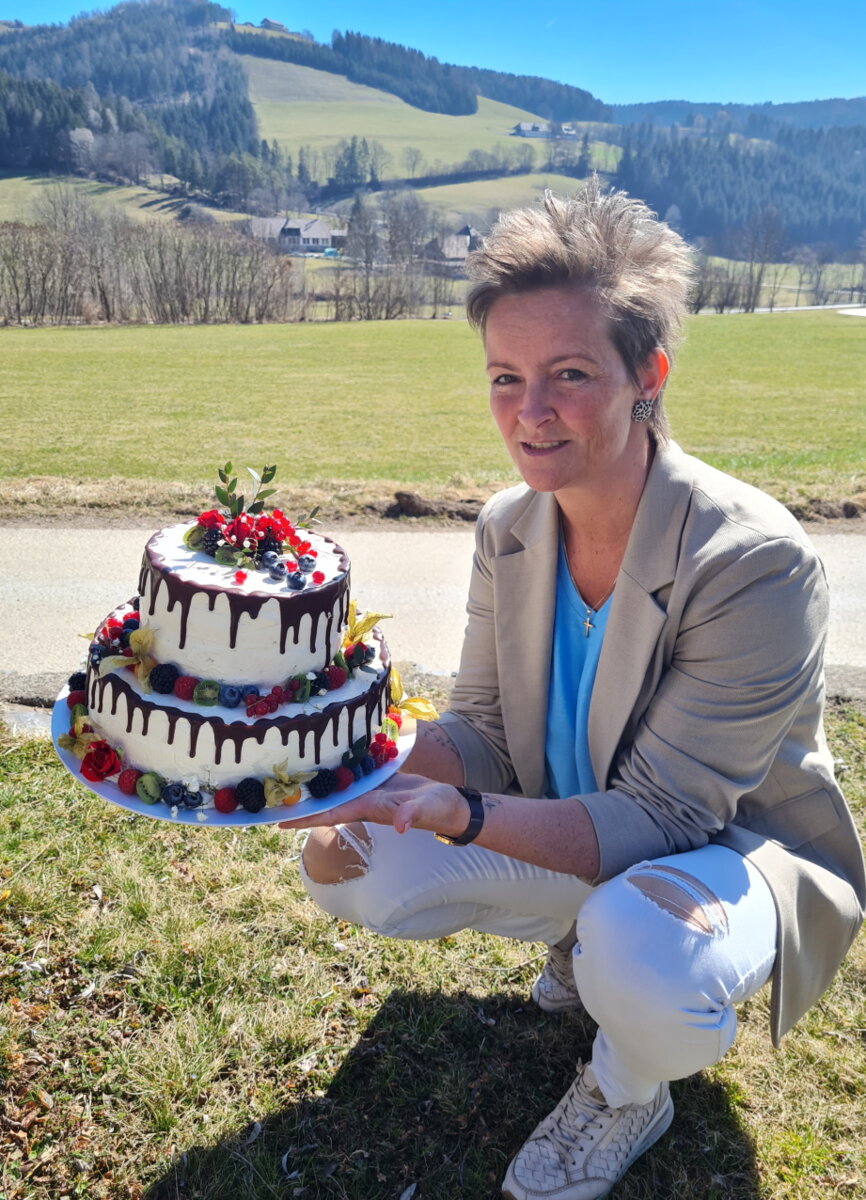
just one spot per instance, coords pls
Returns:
(592, 609)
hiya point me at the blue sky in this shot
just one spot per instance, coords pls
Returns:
(620, 50)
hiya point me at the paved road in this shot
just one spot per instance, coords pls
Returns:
(58, 583)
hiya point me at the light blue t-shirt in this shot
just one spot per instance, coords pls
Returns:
(574, 660)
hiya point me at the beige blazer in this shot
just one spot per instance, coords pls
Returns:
(706, 716)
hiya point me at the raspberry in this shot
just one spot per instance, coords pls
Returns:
(250, 794)
(163, 677)
(184, 686)
(127, 779)
(322, 784)
(79, 696)
(225, 800)
(337, 676)
(344, 777)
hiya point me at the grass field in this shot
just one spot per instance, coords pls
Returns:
(776, 399)
(299, 106)
(477, 201)
(176, 1017)
(20, 193)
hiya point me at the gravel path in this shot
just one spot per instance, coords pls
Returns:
(60, 582)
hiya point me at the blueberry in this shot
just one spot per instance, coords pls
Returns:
(277, 570)
(131, 623)
(230, 696)
(124, 636)
(368, 764)
(250, 690)
(297, 582)
(357, 771)
(97, 654)
(369, 654)
(192, 799)
(173, 794)
(306, 563)
(269, 558)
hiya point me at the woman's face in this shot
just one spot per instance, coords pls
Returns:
(560, 392)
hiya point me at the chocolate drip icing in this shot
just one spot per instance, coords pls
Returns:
(367, 706)
(316, 602)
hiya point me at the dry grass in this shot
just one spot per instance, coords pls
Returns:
(176, 1017)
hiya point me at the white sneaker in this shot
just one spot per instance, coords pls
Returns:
(582, 1149)
(555, 990)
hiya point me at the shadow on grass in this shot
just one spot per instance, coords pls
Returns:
(440, 1092)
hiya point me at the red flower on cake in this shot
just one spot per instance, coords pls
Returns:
(211, 519)
(238, 531)
(100, 761)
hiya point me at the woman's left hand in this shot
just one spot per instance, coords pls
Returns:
(404, 801)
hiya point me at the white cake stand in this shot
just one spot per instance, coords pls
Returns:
(210, 816)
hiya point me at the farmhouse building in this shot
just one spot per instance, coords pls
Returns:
(543, 129)
(295, 235)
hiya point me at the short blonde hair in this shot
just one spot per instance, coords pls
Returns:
(606, 242)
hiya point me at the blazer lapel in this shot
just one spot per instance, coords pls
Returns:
(526, 581)
(637, 617)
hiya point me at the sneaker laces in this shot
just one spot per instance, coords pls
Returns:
(570, 1126)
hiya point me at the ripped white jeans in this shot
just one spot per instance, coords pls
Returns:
(660, 984)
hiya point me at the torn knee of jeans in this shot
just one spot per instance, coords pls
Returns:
(337, 855)
(680, 894)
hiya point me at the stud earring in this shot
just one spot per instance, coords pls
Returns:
(642, 410)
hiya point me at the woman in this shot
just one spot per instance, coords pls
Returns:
(635, 740)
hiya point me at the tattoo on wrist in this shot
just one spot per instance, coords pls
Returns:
(489, 803)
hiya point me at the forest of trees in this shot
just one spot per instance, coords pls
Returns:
(157, 88)
(814, 179)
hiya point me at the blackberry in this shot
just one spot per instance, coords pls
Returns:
(322, 784)
(77, 681)
(269, 543)
(163, 678)
(250, 794)
(210, 542)
(321, 683)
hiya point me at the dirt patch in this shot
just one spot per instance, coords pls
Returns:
(131, 504)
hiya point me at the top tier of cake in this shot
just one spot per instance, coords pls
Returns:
(207, 618)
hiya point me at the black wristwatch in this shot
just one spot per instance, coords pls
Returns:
(476, 820)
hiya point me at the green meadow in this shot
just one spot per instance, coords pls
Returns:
(179, 1022)
(299, 106)
(776, 399)
(20, 194)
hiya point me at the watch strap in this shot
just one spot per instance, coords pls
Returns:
(476, 819)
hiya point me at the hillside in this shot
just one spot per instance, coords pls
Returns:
(20, 197)
(299, 106)
(263, 123)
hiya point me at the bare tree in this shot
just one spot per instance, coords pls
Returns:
(760, 243)
(412, 159)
